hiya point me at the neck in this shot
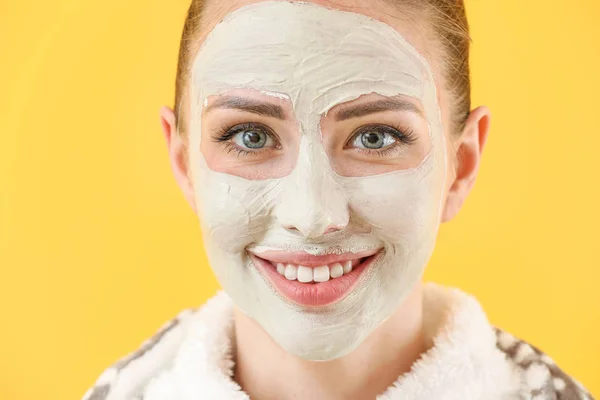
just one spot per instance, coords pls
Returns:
(265, 371)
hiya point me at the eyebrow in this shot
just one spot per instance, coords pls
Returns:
(361, 110)
(248, 105)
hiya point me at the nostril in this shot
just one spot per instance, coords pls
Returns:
(311, 233)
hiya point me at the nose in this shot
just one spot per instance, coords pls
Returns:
(314, 210)
(313, 231)
(313, 202)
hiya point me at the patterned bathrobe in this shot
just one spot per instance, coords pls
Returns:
(468, 359)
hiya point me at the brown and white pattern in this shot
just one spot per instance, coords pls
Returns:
(541, 376)
(191, 358)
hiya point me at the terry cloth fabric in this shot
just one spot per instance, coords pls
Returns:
(190, 358)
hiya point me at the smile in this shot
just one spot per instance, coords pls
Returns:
(313, 281)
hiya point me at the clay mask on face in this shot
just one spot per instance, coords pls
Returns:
(318, 58)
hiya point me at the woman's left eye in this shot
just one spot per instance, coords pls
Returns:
(378, 137)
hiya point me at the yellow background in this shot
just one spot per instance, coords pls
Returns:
(98, 247)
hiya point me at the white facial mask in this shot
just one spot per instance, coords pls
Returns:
(319, 58)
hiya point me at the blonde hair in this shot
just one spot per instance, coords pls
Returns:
(446, 19)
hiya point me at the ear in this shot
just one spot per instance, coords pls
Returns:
(468, 157)
(177, 154)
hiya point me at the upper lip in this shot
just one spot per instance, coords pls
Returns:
(308, 260)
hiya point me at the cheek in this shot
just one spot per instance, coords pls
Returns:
(233, 211)
(401, 206)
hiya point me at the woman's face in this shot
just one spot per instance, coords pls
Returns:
(319, 161)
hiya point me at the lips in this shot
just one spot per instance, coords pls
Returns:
(313, 281)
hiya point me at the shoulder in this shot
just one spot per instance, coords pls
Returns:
(195, 339)
(125, 377)
(542, 379)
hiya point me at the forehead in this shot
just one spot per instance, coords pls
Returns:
(309, 52)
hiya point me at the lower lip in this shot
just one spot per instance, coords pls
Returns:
(313, 294)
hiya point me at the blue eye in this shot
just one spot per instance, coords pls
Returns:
(252, 139)
(373, 140)
(248, 137)
(377, 137)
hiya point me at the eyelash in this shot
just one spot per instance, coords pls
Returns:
(225, 133)
(403, 134)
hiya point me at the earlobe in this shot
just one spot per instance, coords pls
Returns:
(468, 158)
(177, 154)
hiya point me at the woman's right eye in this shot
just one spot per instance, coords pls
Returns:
(249, 137)
(252, 139)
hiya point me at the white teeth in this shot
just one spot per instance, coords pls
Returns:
(347, 267)
(281, 268)
(321, 274)
(336, 270)
(291, 273)
(305, 274)
(318, 274)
